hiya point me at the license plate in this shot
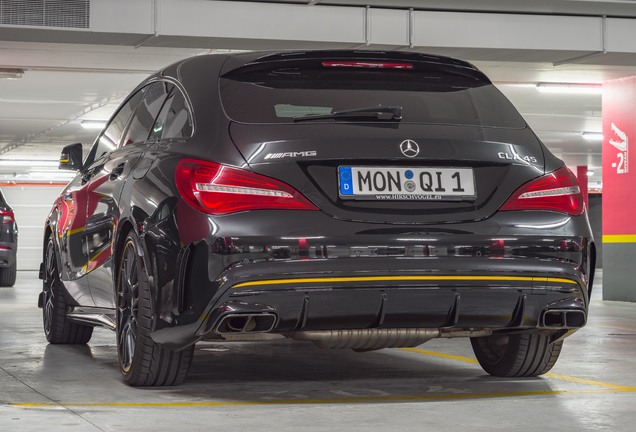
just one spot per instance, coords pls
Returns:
(406, 183)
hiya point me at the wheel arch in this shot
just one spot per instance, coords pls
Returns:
(122, 231)
(125, 227)
(49, 232)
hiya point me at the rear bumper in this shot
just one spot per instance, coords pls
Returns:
(7, 254)
(432, 293)
(496, 274)
(451, 293)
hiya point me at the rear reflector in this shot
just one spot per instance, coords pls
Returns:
(558, 191)
(368, 64)
(220, 189)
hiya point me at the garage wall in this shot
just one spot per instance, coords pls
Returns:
(31, 205)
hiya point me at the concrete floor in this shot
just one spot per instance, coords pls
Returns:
(289, 386)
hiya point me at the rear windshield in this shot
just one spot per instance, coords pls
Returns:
(431, 97)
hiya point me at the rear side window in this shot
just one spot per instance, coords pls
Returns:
(427, 95)
(146, 113)
(174, 120)
(110, 138)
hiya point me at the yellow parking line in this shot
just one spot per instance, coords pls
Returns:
(593, 383)
(404, 398)
(442, 355)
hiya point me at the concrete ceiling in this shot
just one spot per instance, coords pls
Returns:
(72, 75)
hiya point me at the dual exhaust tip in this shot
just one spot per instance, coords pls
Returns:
(563, 318)
(246, 323)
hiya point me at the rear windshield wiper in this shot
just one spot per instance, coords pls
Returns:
(380, 112)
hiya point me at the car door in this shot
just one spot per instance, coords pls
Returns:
(69, 218)
(105, 186)
(73, 231)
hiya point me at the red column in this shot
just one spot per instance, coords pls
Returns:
(619, 178)
(619, 189)
(581, 175)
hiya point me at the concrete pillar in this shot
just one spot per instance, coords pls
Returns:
(619, 189)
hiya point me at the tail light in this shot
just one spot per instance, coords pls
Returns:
(558, 191)
(7, 216)
(219, 189)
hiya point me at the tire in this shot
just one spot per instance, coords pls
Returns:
(7, 275)
(518, 355)
(142, 362)
(58, 329)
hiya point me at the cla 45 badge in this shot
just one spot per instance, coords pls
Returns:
(515, 156)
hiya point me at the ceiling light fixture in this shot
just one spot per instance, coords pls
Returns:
(46, 175)
(93, 124)
(11, 73)
(570, 88)
(593, 136)
(28, 163)
(590, 173)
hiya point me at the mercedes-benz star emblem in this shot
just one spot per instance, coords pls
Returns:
(409, 148)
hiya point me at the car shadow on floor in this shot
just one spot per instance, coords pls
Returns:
(296, 372)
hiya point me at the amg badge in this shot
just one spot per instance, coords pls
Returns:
(308, 153)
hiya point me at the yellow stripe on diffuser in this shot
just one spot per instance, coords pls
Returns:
(401, 279)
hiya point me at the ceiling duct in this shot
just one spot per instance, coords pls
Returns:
(46, 13)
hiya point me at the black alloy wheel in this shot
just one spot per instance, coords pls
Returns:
(516, 355)
(58, 329)
(127, 307)
(142, 362)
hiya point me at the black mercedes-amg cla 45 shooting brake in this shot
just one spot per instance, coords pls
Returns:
(354, 199)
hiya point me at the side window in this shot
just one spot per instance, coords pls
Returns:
(146, 113)
(174, 120)
(109, 139)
